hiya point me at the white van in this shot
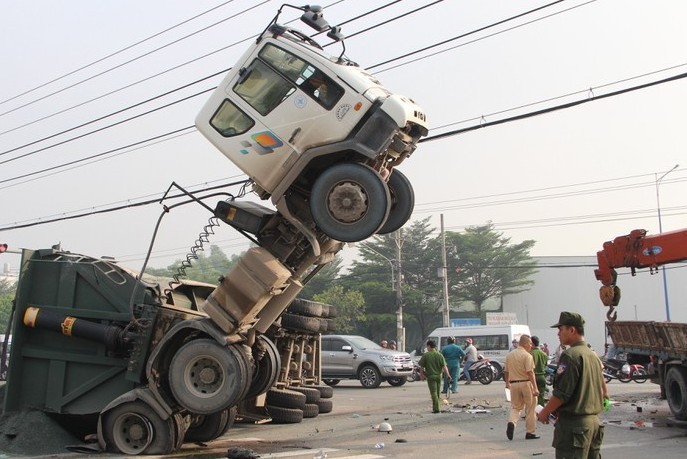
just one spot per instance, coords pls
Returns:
(492, 341)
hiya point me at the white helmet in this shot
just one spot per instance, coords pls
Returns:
(384, 427)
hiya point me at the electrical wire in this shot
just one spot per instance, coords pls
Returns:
(126, 48)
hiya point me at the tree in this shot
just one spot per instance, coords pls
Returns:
(484, 264)
(321, 281)
(206, 268)
(7, 292)
(349, 306)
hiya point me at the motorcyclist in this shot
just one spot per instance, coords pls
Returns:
(470, 358)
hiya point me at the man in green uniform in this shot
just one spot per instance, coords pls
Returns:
(540, 361)
(433, 365)
(578, 396)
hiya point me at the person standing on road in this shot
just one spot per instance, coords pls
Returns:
(470, 358)
(579, 394)
(432, 365)
(513, 345)
(540, 362)
(518, 373)
(453, 355)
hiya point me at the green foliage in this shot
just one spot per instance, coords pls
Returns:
(349, 306)
(7, 293)
(484, 264)
(325, 278)
(207, 268)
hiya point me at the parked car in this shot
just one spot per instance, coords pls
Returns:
(356, 357)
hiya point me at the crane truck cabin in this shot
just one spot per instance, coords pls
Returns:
(316, 134)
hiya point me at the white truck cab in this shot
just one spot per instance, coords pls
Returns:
(316, 134)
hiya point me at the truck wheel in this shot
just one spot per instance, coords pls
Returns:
(302, 323)
(370, 377)
(676, 392)
(285, 398)
(396, 382)
(402, 202)
(485, 375)
(206, 378)
(311, 410)
(135, 428)
(305, 308)
(325, 391)
(281, 415)
(349, 202)
(267, 369)
(311, 395)
(207, 427)
(325, 405)
(331, 382)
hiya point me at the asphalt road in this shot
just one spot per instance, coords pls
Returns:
(349, 430)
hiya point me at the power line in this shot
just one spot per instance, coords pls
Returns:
(130, 60)
(115, 53)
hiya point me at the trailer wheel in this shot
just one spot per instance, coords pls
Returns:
(312, 395)
(325, 405)
(349, 202)
(325, 391)
(306, 308)
(267, 369)
(311, 410)
(281, 415)
(402, 202)
(302, 323)
(285, 398)
(206, 378)
(676, 392)
(331, 382)
(207, 427)
(135, 428)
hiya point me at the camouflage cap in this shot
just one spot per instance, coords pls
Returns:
(569, 318)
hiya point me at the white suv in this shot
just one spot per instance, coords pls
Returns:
(356, 357)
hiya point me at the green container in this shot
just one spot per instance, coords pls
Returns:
(57, 373)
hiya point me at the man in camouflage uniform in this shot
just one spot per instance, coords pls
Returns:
(578, 396)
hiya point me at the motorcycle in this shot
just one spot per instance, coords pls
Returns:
(550, 373)
(481, 370)
(624, 372)
(416, 375)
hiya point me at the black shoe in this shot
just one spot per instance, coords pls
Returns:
(531, 436)
(509, 430)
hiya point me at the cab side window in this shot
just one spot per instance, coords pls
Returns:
(229, 120)
(262, 87)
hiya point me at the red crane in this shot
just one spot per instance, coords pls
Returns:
(635, 251)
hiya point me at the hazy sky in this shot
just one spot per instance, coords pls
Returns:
(570, 179)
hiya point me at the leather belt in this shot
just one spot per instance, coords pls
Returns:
(519, 380)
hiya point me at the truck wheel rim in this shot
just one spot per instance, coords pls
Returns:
(133, 433)
(348, 202)
(204, 377)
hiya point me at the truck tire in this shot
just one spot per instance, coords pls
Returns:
(302, 323)
(329, 311)
(207, 427)
(397, 382)
(267, 369)
(325, 391)
(311, 410)
(349, 202)
(676, 391)
(311, 395)
(285, 398)
(305, 308)
(281, 415)
(135, 428)
(331, 382)
(206, 378)
(325, 405)
(402, 202)
(331, 324)
(369, 377)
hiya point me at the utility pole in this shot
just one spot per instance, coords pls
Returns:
(444, 273)
(400, 331)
